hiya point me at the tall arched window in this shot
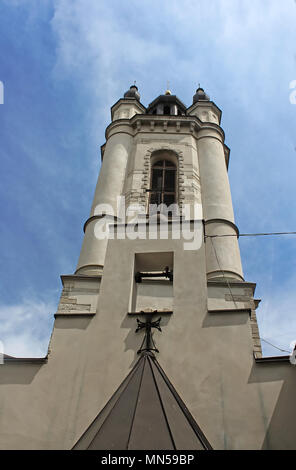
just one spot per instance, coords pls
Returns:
(163, 183)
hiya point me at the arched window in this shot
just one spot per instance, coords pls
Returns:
(163, 183)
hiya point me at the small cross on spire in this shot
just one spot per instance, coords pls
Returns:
(148, 339)
(168, 91)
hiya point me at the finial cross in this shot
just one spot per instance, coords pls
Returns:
(148, 339)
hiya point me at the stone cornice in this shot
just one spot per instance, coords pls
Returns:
(119, 126)
(96, 217)
(225, 272)
(93, 266)
(80, 277)
(225, 221)
(233, 283)
(162, 124)
(146, 221)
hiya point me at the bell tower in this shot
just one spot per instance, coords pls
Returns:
(193, 142)
(155, 343)
(166, 164)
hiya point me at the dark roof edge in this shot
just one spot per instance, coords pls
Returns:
(24, 360)
(267, 359)
(197, 430)
(167, 98)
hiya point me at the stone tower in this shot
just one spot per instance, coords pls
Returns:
(155, 343)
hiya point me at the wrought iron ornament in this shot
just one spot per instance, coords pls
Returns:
(148, 341)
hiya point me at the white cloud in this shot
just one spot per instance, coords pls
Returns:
(101, 54)
(106, 45)
(277, 320)
(25, 328)
(270, 263)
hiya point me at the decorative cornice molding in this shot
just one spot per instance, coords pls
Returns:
(232, 283)
(225, 221)
(92, 266)
(95, 217)
(80, 277)
(181, 123)
(225, 272)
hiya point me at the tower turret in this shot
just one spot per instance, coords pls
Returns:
(124, 173)
(222, 253)
(111, 181)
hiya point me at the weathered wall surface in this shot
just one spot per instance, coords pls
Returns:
(206, 344)
(208, 357)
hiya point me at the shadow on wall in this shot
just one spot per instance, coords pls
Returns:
(21, 374)
(72, 323)
(224, 319)
(134, 340)
(281, 430)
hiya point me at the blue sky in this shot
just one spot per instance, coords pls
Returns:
(64, 63)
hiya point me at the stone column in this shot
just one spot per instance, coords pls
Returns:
(109, 187)
(222, 254)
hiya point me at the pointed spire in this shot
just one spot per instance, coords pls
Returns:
(145, 412)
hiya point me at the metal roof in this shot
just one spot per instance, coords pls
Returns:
(144, 413)
(166, 99)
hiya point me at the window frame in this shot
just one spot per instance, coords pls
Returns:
(165, 165)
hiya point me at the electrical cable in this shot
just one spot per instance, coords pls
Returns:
(248, 235)
(251, 234)
(268, 342)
